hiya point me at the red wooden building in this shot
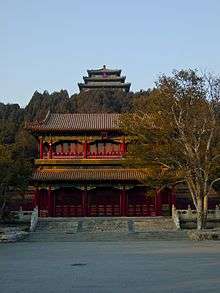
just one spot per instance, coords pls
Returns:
(79, 170)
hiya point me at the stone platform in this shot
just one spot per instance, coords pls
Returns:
(105, 229)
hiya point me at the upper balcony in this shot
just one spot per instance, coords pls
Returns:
(112, 155)
(81, 158)
(76, 150)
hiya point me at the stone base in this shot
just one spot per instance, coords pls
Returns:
(8, 235)
(202, 235)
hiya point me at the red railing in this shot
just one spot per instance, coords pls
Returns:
(81, 155)
(107, 155)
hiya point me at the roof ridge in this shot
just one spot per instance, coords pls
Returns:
(77, 121)
(111, 113)
(47, 117)
(89, 174)
(91, 169)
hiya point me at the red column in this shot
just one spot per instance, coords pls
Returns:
(158, 204)
(173, 196)
(85, 149)
(41, 148)
(50, 151)
(35, 198)
(123, 204)
(37, 149)
(85, 203)
(49, 201)
(104, 145)
(52, 202)
(62, 197)
(97, 148)
(123, 147)
(75, 148)
(88, 148)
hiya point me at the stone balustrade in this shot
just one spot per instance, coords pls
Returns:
(191, 215)
(34, 219)
(27, 217)
(175, 217)
(22, 216)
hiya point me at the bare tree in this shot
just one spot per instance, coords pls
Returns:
(178, 130)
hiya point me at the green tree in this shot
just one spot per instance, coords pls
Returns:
(16, 168)
(102, 101)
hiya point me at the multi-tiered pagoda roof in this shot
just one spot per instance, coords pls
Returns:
(76, 122)
(104, 78)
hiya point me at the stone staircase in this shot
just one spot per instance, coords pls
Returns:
(105, 229)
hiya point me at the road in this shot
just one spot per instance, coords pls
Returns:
(99, 267)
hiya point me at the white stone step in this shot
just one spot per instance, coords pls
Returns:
(106, 229)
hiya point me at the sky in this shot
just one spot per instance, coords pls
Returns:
(49, 44)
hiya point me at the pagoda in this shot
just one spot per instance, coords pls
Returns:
(104, 78)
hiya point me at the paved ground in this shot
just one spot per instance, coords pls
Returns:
(159, 266)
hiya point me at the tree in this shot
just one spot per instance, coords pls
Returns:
(5, 175)
(177, 130)
(11, 116)
(102, 101)
(16, 169)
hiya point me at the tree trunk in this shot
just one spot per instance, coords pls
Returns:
(3, 200)
(205, 211)
(200, 214)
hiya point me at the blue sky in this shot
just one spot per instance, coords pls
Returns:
(49, 44)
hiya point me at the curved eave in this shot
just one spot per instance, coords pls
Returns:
(104, 79)
(89, 175)
(101, 71)
(41, 129)
(89, 86)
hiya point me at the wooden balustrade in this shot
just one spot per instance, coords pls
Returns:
(89, 155)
